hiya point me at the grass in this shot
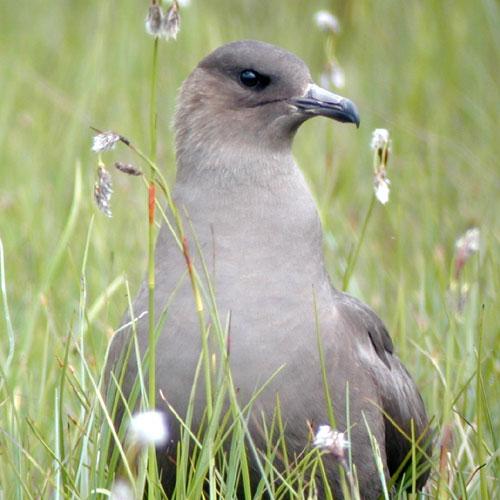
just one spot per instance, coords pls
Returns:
(426, 71)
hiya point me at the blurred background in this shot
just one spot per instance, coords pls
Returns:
(426, 71)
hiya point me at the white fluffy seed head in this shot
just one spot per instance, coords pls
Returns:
(334, 76)
(104, 141)
(171, 23)
(381, 187)
(380, 144)
(331, 440)
(122, 490)
(148, 428)
(103, 190)
(326, 21)
(338, 76)
(154, 20)
(380, 139)
(468, 243)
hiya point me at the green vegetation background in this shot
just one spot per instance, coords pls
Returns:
(427, 71)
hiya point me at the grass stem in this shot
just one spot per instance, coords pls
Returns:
(152, 468)
(355, 254)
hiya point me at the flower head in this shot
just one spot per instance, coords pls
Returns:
(171, 22)
(466, 246)
(337, 76)
(105, 141)
(122, 490)
(333, 75)
(380, 144)
(128, 168)
(149, 428)
(103, 189)
(381, 187)
(380, 139)
(154, 20)
(332, 441)
(468, 243)
(326, 21)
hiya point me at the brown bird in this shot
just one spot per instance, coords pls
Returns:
(252, 213)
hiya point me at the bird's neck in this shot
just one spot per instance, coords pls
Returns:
(262, 204)
(233, 163)
(240, 177)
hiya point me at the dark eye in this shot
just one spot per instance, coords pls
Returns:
(251, 78)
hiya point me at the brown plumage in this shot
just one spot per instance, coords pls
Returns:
(259, 231)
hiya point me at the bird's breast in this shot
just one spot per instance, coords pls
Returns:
(261, 254)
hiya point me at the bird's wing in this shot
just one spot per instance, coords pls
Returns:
(398, 393)
(365, 322)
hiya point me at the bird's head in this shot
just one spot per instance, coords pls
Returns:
(249, 95)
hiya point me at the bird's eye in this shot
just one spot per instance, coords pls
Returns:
(251, 78)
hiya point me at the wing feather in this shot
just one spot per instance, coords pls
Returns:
(401, 400)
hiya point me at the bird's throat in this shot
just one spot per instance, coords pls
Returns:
(249, 221)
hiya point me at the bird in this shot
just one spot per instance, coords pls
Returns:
(251, 221)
